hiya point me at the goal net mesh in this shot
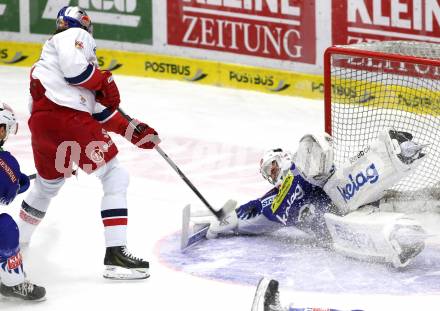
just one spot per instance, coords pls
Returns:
(395, 84)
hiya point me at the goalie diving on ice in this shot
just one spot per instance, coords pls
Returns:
(340, 207)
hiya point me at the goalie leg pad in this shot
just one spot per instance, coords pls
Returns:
(376, 236)
(365, 178)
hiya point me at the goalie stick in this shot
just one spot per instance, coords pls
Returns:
(218, 214)
(192, 237)
(188, 239)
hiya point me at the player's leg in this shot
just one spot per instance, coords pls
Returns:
(13, 282)
(119, 262)
(46, 124)
(373, 234)
(34, 206)
(100, 158)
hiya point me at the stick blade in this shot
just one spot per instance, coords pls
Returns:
(189, 237)
(186, 215)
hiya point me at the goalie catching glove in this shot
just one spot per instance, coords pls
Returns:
(314, 158)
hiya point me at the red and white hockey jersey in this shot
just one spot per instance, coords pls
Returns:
(67, 60)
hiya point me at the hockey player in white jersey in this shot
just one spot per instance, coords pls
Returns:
(341, 206)
(73, 107)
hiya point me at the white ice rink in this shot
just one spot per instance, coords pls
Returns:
(216, 136)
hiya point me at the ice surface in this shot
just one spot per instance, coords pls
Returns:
(216, 136)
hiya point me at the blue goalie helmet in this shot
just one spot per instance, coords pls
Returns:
(74, 17)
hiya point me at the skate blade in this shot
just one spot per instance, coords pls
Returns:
(119, 273)
(258, 302)
(18, 299)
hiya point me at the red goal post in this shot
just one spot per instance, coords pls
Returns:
(395, 84)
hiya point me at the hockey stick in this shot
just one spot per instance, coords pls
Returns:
(33, 176)
(220, 213)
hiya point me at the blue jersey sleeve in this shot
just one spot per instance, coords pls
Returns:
(24, 183)
(10, 178)
(255, 207)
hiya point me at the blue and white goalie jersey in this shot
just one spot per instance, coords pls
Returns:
(295, 203)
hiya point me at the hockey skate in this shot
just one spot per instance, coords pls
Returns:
(24, 291)
(267, 296)
(120, 264)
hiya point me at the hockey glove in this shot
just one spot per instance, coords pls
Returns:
(36, 89)
(24, 183)
(144, 137)
(108, 93)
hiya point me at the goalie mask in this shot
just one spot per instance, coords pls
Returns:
(274, 165)
(7, 119)
(73, 17)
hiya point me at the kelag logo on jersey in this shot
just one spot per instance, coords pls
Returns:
(115, 20)
(349, 190)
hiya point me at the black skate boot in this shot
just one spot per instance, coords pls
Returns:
(267, 296)
(24, 291)
(122, 265)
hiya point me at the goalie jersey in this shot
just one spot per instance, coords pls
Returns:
(295, 203)
(12, 181)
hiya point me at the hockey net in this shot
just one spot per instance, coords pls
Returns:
(393, 84)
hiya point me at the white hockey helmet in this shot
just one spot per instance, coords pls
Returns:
(74, 17)
(7, 118)
(275, 164)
